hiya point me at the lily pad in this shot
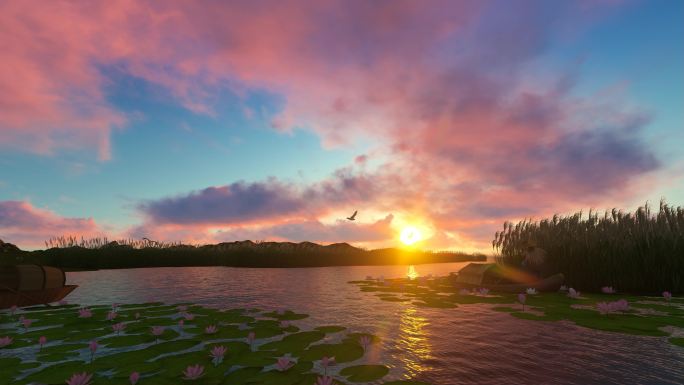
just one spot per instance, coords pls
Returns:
(364, 373)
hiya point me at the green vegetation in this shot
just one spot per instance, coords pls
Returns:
(96, 254)
(249, 346)
(648, 316)
(639, 253)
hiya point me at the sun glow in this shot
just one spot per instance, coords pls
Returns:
(410, 235)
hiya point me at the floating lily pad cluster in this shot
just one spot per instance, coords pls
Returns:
(174, 344)
(650, 316)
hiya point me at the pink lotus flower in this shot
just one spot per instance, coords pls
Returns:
(364, 341)
(79, 379)
(157, 331)
(26, 322)
(608, 290)
(42, 340)
(193, 372)
(284, 364)
(574, 294)
(135, 376)
(93, 349)
(111, 315)
(189, 317)
(324, 380)
(250, 338)
(325, 362)
(118, 327)
(522, 298)
(5, 341)
(612, 307)
(667, 295)
(115, 306)
(211, 329)
(217, 353)
(84, 313)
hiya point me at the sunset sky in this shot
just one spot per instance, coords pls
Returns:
(211, 121)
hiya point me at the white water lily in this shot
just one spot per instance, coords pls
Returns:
(531, 291)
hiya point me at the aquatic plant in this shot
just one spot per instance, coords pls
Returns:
(522, 298)
(13, 309)
(118, 327)
(193, 372)
(250, 339)
(217, 353)
(42, 340)
(211, 329)
(563, 288)
(182, 308)
(156, 332)
(284, 363)
(284, 324)
(111, 315)
(484, 291)
(325, 362)
(26, 322)
(612, 307)
(134, 378)
(608, 290)
(364, 341)
(79, 379)
(464, 292)
(531, 291)
(5, 341)
(85, 313)
(324, 380)
(136, 315)
(93, 348)
(574, 294)
(667, 295)
(189, 316)
(637, 252)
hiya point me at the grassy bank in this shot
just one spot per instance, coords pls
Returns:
(237, 254)
(640, 252)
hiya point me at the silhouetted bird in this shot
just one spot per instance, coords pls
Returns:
(353, 217)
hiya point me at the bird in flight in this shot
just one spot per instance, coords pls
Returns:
(353, 217)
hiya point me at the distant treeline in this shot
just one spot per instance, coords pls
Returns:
(238, 254)
(640, 252)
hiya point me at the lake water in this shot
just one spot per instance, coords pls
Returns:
(468, 345)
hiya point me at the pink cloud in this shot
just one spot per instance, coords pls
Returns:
(468, 139)
(29, 227)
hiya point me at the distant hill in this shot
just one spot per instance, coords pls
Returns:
(115, 255)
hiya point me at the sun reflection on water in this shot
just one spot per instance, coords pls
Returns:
(413, 342)
(412, 273)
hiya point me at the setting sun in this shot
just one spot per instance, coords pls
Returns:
(410, 235)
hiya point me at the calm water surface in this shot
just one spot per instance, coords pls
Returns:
(467, 345)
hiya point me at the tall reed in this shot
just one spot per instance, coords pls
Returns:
(636, 252)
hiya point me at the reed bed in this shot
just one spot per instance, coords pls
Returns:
(641, 252)
(64, 242)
